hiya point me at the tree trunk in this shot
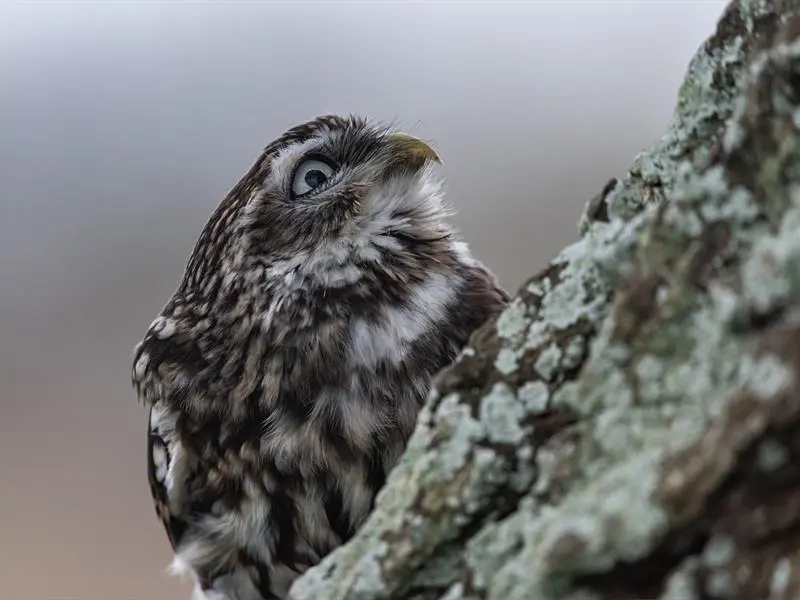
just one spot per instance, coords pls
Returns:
(629, 428)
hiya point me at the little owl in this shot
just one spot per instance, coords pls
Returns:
(285, 373)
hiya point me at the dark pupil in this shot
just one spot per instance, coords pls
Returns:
(314, 178)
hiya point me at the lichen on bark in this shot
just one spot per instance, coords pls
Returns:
(628, 427)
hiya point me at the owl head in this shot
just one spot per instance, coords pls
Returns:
(327, 193)
(339, 221)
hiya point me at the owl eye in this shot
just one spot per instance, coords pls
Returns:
(310, 175)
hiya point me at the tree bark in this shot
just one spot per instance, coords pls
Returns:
(629, 428)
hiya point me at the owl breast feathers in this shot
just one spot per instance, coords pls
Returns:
(285, 374)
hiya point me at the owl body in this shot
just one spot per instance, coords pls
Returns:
(285, 375)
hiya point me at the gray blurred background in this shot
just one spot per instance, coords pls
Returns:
(122, 124)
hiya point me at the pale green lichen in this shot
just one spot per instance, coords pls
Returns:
(580, 294)
(573, 536)
(548, 462)
(491, 548)
(362, 576)
(702, 108)
(458, 431)
(534, 396)
(766, 376)
(772, 273)
(513, 321)
(680, 584)
(573, 353)
(538, 334)
(740, 209)
(537, 287)
(455, 592)
(735, 134)
(576, 296)
(772, 455)
(650, 371)
(719, 551)
(720, 584)
(507, 360)
(502, 415)
(781, 576)
(611, 246)
(548, 362)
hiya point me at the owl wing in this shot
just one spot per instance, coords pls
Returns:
(167, 471)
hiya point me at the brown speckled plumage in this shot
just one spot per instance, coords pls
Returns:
(285, 374)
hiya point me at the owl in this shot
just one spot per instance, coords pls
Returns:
(285, 374)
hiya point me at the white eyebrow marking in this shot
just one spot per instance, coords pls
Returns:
(284, 162)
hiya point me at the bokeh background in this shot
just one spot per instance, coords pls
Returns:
(122, 124)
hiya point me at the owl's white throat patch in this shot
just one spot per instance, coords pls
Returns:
(404, 203)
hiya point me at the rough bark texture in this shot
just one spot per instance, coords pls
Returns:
(629, 427)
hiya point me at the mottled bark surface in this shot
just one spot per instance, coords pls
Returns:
(629, 428)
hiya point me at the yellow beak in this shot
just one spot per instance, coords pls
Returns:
(417, 150)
